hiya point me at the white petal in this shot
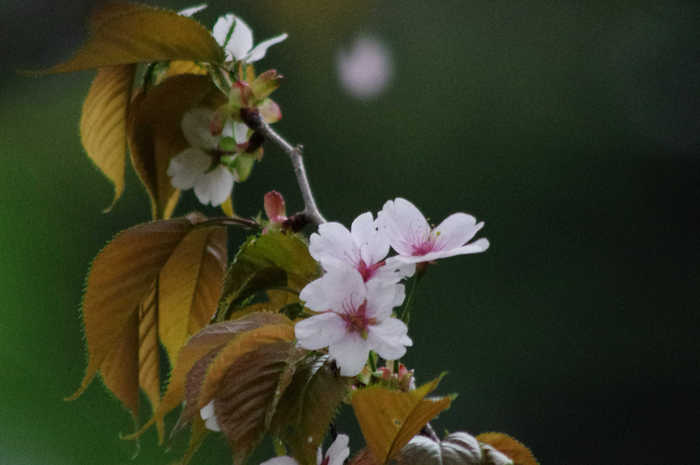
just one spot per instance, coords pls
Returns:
(187, 166)
(339, 450)
(222, 26)
(209, 417)
(455, 231)
(477, 246)
(192, 10)
(281, 460)
(241, 40)
(389, 339)
(382, 297)
(350, 353)
(195, 126)
(373, 245)
(320, 331)
(339, 288)
(394, 271)
(240, 132)
(215, 186)
(261, 49)
(334, 246)
(404, 225)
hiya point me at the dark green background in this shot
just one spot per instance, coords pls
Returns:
(571, 128)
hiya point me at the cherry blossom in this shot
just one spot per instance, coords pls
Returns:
(363, 248)
(354, 318)
(415, 241)
(198, 166)
(335, 455)
(232, 33)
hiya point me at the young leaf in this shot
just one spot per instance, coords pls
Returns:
(270, 260)
(208, 342)
(456, 449)
(190, 287)
(103, 122)
(120, 278)
(184, 67)
(149, 361)
(509, 446)
(308, 406)
(389, 418)
(247, 393)
(154, 133)
(123, 33)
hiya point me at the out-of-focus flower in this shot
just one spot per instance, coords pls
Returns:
(336, 454)
(232, 33)
(198, 166)
(415, 241)
(366, 68)
(363, 248)
(355, 317)
(209, 417)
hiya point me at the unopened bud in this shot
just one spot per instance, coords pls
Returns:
(275, 208)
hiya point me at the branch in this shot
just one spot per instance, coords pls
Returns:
(256, 123)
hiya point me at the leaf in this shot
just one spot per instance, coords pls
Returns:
(120, 278)
(154, 133)
(103, 122)
(456, 449)
(120, 367)
(184, 67)
(148, 348)
(209, 340)
(389, 418)
(308, 406)
(509, 446)
(122, 33)
(190, 286)
(270, 260)
(247, 393)
(198, 433)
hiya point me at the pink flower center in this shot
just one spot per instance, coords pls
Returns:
(326, 459)
(423, 248)
(356, 319)
(368, 271)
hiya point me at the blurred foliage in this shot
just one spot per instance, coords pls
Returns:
(571, 129)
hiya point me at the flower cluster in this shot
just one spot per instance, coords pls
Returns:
(356, 296)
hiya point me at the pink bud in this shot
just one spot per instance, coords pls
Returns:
(275, 208)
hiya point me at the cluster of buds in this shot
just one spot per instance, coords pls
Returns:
(400, 379)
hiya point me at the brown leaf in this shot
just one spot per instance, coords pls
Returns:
(183, 67)
(103, 122)
(190, 287)
(510, 446)
(457, 448)
(390, 418)
(149, 361)
(154, 133)
(120, 367)
(123, 33)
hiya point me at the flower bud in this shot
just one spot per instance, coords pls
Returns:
(275, 208)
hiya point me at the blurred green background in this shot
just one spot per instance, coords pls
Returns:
(570, 128)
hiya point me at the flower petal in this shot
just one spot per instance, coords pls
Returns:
(261, 49)
(240, 132)
(195, 127)
(241, 40)
(338, 288)
(188, 12)
(389, 339)
(222, 27)
(339, 450)
(404, 225)
(478, 246)
(333, 246)
(382, 297)
(187, 166)
(281, 460)
(215, 186)
(209, 417)
(373, 245)
(350, 353)
(455, 231)
(320, 331)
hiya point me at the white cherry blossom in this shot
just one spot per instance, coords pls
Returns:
(196, 167)
(232, 33)
(363, 248)
(354, 318)
(415, 241)
(335, 455)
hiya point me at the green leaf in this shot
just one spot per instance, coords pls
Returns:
(103, 122)
(271, 260)
(509, 446)
(456, 449)
(123, 33)
(308, 406)
(154, 133)
(390, 418)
